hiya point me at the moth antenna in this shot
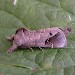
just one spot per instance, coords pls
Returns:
(31, 49)
(66, 30)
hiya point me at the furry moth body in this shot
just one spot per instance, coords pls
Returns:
(50, 37)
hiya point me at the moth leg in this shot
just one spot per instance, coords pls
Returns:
(31, 49)
(51, 45)
(41, 48)
(10, 37)
(12, 48)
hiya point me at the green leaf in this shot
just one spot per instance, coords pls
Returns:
(37, 14)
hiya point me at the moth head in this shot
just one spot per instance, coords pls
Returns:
(57, 38)
(52, 31)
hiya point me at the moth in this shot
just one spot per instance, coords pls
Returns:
(49, 37)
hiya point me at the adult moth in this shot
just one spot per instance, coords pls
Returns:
(50, 37)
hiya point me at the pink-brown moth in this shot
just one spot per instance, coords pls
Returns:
(50, 37)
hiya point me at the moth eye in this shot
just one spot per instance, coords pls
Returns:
(50, 33)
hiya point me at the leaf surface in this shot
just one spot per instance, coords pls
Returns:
(37, 14)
